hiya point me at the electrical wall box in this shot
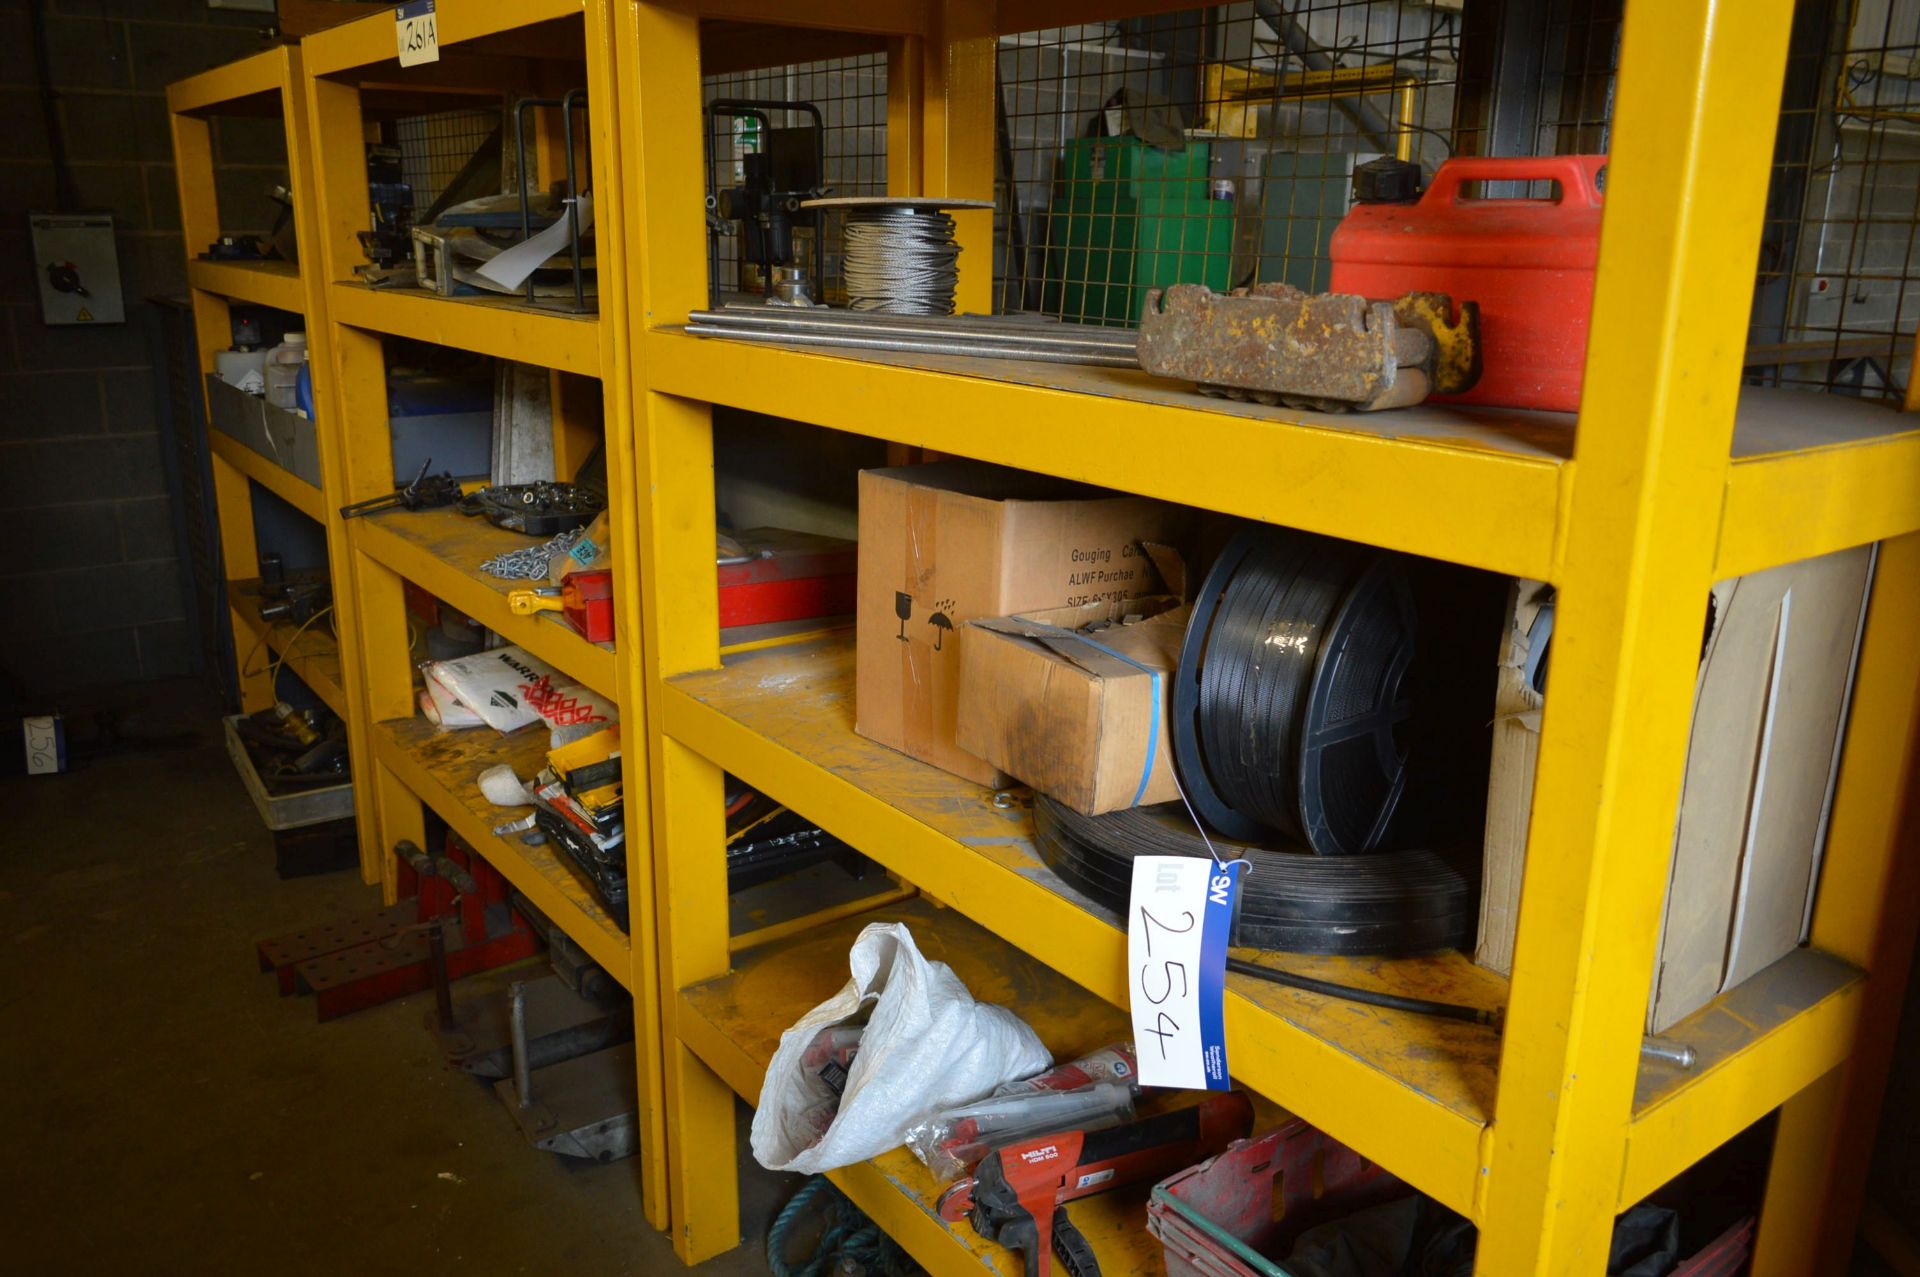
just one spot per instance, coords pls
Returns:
(78, 268)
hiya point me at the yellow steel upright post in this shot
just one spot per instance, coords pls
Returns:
(624, 502)
(1685, 194)
(956, 119)
(355, 368)
(1864, 913)
(330, 427)
(200, 222)
(658, 63)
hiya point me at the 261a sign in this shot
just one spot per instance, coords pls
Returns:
(418, 36)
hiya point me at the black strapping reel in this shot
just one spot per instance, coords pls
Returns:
(1288, 698)
(1293, 723)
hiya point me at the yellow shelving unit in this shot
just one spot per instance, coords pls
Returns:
(491, 53)
(1670, 478)
(267, 84)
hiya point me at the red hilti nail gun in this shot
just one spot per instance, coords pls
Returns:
(1018, 1194)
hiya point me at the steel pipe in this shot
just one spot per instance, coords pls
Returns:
(917, 346)
(976, 328)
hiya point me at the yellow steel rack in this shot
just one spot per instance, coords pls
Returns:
(267, 84)
(1674, 479)
(491, 53)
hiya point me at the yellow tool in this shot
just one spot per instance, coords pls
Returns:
(534, 602)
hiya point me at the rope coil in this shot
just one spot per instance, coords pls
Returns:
(845, 1234)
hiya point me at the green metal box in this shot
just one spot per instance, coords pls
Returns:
(1128, 217)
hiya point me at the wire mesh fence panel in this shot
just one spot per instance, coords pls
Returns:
(447, 146)
(760, 151)
(1219, 145)
(1214, 146)
(1836, 303)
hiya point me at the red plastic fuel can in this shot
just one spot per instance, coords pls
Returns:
(1528, 262)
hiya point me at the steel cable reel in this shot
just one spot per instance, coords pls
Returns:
(1289, 691)
(1385, 904)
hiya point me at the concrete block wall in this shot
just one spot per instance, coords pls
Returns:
(95, 592)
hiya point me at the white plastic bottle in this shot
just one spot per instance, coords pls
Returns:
(283, 370)
(243, 367)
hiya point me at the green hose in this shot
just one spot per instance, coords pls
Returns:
(846, 1234)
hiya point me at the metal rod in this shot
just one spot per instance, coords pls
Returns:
(517, 1026)
(567, 100)
(442, 986)
(565, 105)
(918, 346)
(520, 157)
(980, 341)
(974, 328)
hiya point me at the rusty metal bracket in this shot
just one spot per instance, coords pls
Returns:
(1329, 351)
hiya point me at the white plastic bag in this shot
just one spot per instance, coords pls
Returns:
(928, 1046)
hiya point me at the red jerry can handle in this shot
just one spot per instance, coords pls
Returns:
(1578, 175)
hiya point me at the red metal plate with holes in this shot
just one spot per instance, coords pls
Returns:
(370, 974)
(282, 953)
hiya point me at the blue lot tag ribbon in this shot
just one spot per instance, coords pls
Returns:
(1179, 917)
(1223, 883)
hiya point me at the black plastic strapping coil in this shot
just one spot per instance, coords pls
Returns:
(1385, 904)
(1288, 697)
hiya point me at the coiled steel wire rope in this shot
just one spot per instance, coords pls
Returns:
(899, 260)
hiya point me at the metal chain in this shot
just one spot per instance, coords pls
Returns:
(531, 563)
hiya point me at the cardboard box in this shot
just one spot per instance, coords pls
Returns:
(1769, 713)
(950, 542)
(1080, 717)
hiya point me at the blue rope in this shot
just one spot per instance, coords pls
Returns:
(847, 1235)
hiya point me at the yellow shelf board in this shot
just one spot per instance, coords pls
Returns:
(275, 284)
(237, 84)
(443, 770)
(1756, 1047)
(1411, 1092)
(734, 1023)
(369, 41)
(1474, 486)
(1813, 473)
(875, 17)
(1414, 1093)
(441, 551)
(314, 655)
(504, 327)
(279, 480)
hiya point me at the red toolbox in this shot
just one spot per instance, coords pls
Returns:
(1529, 263)
(586, 600)
(786, 576)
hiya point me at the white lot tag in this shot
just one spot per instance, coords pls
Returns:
(1178, 919)
(413, 25)
(45, 740)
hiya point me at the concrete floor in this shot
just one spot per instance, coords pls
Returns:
(168, 1113)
